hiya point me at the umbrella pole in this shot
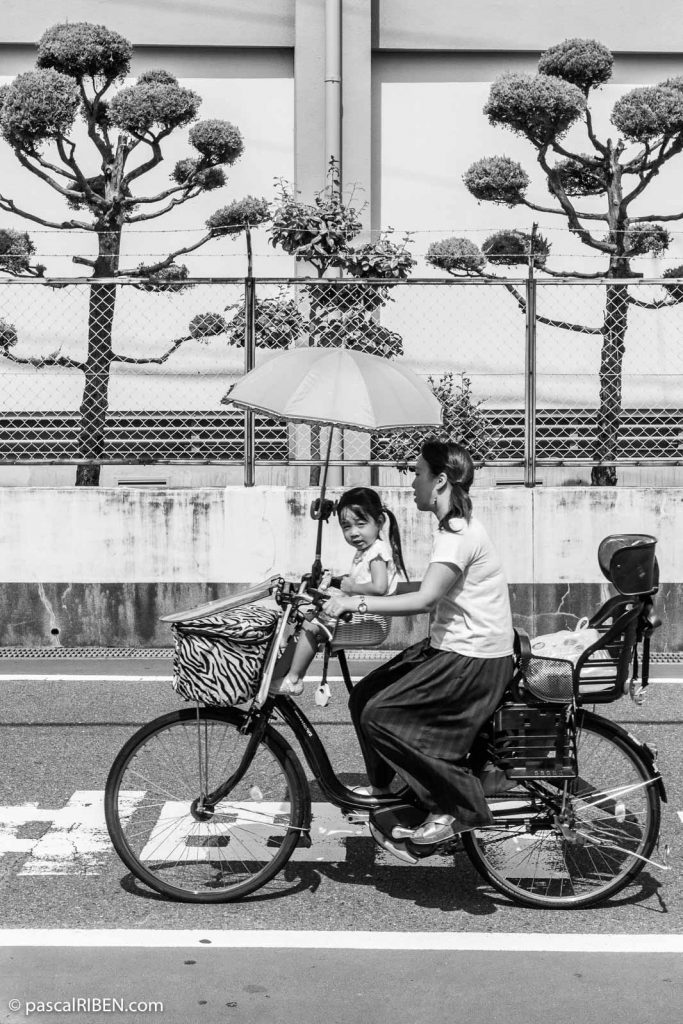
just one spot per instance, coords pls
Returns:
(317, 567)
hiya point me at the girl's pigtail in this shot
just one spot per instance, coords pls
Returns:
(395, 541)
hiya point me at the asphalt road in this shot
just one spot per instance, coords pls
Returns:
(59, 737)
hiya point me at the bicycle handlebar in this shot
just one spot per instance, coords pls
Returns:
(322, 596)
(311, 595)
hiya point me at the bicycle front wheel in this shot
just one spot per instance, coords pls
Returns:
(574, 844)
(170, 839)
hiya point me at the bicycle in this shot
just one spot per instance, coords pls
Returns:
(207, 804)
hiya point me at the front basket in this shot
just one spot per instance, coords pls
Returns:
(219, 659)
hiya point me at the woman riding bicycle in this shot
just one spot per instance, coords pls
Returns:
(418, 715)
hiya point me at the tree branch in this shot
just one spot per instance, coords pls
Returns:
(165, 209)
(90, 108)
(640, 160)
(578, 328)
(132, 201)
(600, 146)
(154, 160)
(167, 261)
(53, 167)
(156, 359)
(39, 362)
(561, 196)
(9, 206)
(70, 160)
(66, 192)
(657, 216)
(521, 302)
(656, 304)
(645, 179)
(587, 161)
(572, 273)
(561, 213)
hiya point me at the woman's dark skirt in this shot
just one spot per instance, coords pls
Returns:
(418, 716)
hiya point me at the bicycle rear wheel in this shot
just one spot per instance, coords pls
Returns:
(544, 851)
(169, 840)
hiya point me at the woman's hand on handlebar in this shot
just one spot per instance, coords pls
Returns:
(339, 603)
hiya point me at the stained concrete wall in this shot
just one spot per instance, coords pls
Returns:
(98, 567)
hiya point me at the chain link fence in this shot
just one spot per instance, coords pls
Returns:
(532, 373)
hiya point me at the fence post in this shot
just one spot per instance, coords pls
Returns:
(249, 364)
(530, 375)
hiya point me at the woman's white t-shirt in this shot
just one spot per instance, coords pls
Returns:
(474, 617)
(360, 567)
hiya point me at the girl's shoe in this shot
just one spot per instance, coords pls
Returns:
(293, 688)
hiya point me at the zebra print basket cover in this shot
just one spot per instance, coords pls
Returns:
(218, 659)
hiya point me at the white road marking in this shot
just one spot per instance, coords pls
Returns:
(47, 678)
(602, 942)
(77, 842)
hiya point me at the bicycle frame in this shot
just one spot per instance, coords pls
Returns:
(264, 707)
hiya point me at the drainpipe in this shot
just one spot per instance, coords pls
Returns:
(333, 81)
(333, 150)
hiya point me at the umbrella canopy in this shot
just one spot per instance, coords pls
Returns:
(341, 388)
(338, 386)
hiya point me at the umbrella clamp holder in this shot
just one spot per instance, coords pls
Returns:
(323, 508)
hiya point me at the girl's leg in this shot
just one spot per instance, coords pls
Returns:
(306, 649)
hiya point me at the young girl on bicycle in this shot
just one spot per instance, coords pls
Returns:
(371, 528)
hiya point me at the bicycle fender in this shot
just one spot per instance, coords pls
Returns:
(649, 755)
(646, 751)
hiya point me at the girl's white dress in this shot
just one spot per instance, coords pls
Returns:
(367, 630)
(360, 566)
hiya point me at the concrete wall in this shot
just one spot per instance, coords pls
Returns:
(98, 567)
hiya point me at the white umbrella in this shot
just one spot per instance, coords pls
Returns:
(342, 388)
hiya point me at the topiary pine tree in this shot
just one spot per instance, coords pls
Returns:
(77, 71)
(321, 233)
(542, 108)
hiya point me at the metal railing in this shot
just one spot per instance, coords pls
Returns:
(536, 372)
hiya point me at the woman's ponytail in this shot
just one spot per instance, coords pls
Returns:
(456, 463)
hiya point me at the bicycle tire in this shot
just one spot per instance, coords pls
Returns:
(242, 844)
(614, 821)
